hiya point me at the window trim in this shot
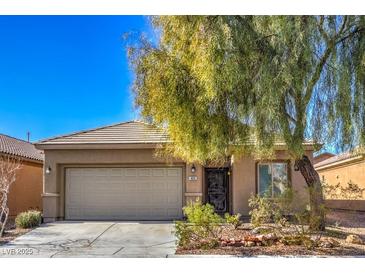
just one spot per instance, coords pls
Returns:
(270, 162)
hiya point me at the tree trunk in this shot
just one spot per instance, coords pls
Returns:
(4, 213)
(317, 208)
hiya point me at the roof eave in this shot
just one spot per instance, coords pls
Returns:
(23, 158)
(140, 145)
(340, 162)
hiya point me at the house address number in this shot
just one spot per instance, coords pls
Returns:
(193, 178)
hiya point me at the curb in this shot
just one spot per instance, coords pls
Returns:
(261, 256)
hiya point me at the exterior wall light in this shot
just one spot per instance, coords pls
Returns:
(193, 169)
(48, 170)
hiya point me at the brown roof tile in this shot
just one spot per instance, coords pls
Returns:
(338, 158)
(16, 147)
(133, 132)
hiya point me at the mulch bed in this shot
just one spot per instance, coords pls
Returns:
(277, 250)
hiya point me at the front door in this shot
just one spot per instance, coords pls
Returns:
(216, 181)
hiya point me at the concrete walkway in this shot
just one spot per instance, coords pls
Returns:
(94, 239)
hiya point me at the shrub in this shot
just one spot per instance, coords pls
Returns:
(200, 229)
(28, 219)
(203, 215)
(233, 219)
(262, 210)
(277, 210)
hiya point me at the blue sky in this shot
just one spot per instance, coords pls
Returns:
(60, 74)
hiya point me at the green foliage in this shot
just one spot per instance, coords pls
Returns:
(200, 229)
(184, 234)
(262, 210)
(28, 219)
(262, 77)
(233, 219)
(265, 210)
(201, 215)
(234, 85)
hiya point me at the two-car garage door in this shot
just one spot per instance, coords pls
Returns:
(123, 193)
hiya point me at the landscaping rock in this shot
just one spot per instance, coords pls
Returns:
(249, 244)
(315, 238)
(261, 229)
(326, 244)
(334, 242)
(252, 238)
(245, 226)
(271, 236)
(260, 238)
(354, 239)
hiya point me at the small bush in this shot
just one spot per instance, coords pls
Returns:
(202, 215)
(262, 210)
(200, 229)
(277, 210)
(28, 219)
(233, 219)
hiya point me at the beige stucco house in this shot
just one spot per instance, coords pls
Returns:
(342, 169)
(25, 193)
(113, 173)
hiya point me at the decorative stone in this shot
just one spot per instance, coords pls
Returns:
(260, 229)
(270, 236)
(260, 238)
(325, 244)
(334, 242)
(354, 239)
(250, 244)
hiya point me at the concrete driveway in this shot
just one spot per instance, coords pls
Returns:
(94, 239)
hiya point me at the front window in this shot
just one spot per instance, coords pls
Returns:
(272, 179)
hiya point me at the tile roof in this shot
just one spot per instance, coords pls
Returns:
(132, 132)
(338, 158)
(16, 147)
(321, 157)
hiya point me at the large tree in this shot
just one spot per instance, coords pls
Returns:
(218, 84)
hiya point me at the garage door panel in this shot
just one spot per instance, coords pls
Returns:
(130, 172)
(158, 172)
(124, 193)
(174, 172)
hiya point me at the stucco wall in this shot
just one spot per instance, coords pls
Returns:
(244, 181)
(58, 160)
(26, 192)
(354, 172)
(242, 176)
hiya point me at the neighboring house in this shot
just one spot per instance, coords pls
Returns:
(113, 172)
(321, 157)
(344, 168)
(26, 192)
